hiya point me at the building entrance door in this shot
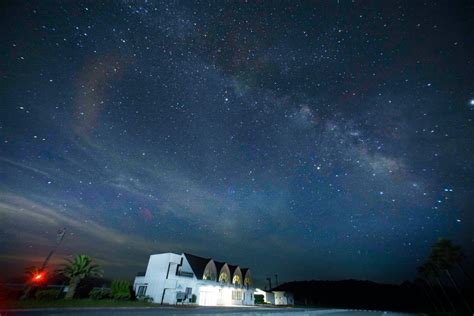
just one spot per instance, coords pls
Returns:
(207, 298)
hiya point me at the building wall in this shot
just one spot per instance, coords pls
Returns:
(161, 278)
(213, 293)
(248, 297)
(280, 298)
(283, 298)
(268, 297)
(163, 284)
(139, 281)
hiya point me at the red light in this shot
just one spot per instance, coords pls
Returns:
(38, 277)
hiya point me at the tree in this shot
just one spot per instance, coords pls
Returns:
(433, 271)
(444, 255)
(453, 253)
(76, 270)
(425, 273)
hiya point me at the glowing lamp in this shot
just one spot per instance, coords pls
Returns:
(38, 277)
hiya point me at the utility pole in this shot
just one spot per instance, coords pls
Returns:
(276, 279)
(59, 238)
(269, 283)
(40, 275)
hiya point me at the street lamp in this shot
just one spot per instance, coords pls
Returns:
(40, 275)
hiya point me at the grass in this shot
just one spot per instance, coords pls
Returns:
(71, 303)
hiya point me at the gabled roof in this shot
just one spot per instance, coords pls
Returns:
(232, 269)
(219, 266)
(198, 264)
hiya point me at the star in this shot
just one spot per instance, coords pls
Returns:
(214, 122)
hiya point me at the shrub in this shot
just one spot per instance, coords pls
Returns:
(47, 294)
(193, 298)
(98, 293)
(145, 298)
(259, 299)
(121, 290)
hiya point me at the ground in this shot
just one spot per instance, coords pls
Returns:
(228, 311)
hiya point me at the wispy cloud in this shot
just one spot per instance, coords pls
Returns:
(24, 166)
(29, 214)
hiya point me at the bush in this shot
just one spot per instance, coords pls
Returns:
(47, 294)
(259, 299)
(98, 293)
(121, 290)
(145, 298)
(193, 298)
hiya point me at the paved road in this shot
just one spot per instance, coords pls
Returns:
(224, 311)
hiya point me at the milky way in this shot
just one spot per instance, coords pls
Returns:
(324, 140)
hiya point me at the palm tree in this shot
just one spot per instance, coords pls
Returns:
(421, 283)
(76, 270)
(455, 254)
(444, 256)
(425, 273)
(433, 271)
(460, 258)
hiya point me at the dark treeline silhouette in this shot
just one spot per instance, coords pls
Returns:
(437, 277)
(354, 294)
(443, 285)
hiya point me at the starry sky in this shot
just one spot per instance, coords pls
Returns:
(316, 140)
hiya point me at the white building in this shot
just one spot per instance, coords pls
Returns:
(174, 278)
(268, 297)
(276, 297)
(283, 298)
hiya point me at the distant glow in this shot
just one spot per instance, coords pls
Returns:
(38, 277)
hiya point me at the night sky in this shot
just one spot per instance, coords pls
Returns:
(316, 140)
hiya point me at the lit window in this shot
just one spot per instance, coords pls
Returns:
(236, 279)
(247, 281)
(223, 277)
(236, 295)
(208, 275)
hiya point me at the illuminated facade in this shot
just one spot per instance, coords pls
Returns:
(276, 297)
(175, 278)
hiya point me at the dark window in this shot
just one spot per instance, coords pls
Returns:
(185, 274)
(141, 290)
(188, 291)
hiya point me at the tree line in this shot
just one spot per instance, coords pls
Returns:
(445, 257)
